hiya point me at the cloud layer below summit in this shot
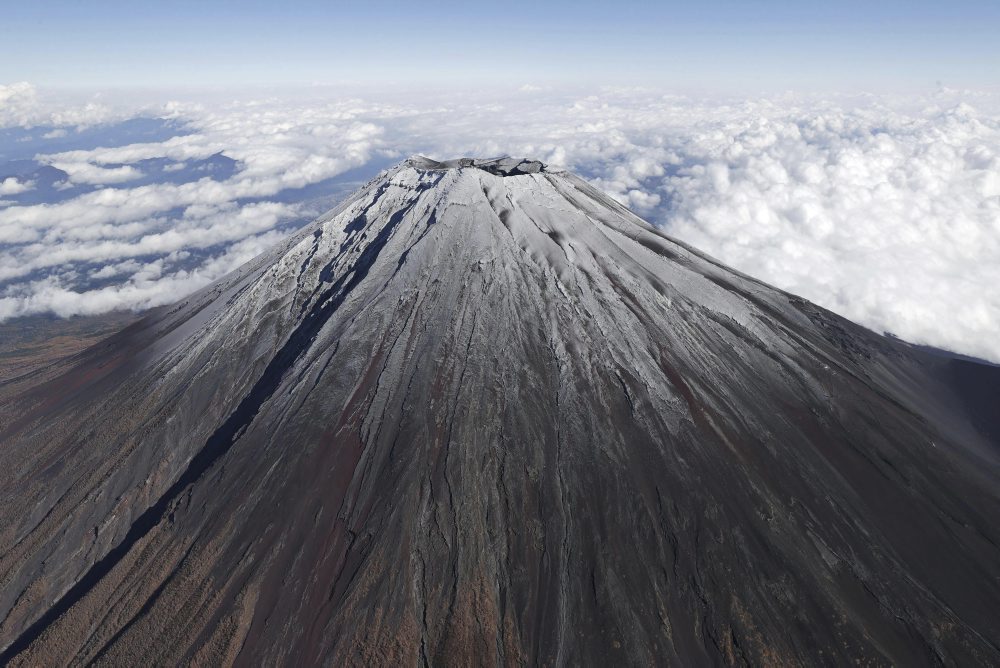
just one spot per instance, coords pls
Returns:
(884, 210)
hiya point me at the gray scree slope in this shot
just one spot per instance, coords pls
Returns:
(482, 414)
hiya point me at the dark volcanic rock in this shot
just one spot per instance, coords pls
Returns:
(495, 166)
(482, 414)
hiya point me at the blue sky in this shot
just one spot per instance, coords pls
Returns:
(751, 44)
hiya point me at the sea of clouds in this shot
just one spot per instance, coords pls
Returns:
(884, 209)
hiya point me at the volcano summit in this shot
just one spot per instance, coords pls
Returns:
(483, 414)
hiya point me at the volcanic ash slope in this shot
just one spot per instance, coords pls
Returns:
(482, 414)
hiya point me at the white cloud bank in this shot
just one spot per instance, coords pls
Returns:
(85, 172)
(12, 186)
(890, 220)
(22, 105)
(884, 210)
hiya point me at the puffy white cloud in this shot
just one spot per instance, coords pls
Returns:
(21, 104)
(200, 228)
(12, 186)
(85, 172)
(18, 103)
(884, 210)
(892, 220)
(50, 254)
(147, 286)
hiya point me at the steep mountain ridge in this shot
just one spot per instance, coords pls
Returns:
(481, 413)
